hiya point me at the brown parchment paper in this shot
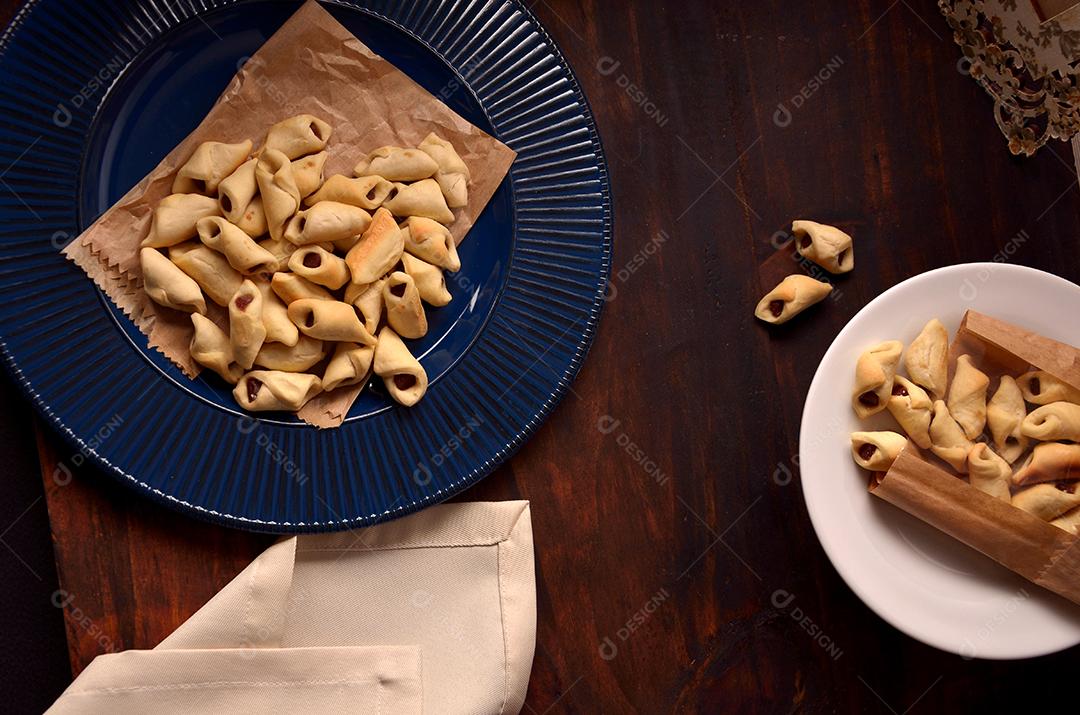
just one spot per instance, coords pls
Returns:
(1043, 554)
(311, 65)
(1059, 359)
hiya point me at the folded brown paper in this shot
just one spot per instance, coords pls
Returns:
(311, 65)
(1042, 553)
(1059, 359)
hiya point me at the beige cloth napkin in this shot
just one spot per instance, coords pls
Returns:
(432, 613)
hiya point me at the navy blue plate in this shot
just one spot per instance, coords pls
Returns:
(96, 96)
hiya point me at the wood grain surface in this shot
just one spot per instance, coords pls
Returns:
(677, 570)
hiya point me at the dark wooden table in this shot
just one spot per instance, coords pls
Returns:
(664, 520)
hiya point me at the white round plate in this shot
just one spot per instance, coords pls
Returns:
(920, 580)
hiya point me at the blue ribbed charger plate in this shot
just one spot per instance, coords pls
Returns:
(95, 94)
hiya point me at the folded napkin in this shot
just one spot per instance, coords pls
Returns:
(432, 613)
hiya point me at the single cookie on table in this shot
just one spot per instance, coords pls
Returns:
(827, 246)
(967, 396)
(874, 373)
(210, 347)
(792, 296)
(1056, 421)
(1004, 414)
(1047, 501)
(272, 390)
(1042, 388)
(927, 359)
(209, 165)
(947, 439)
(988, 472)
(877, 451)
(1049, 462)
(913, 409)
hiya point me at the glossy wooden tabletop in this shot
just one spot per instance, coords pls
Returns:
(677, 569)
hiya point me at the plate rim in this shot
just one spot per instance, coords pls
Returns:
(481, 470)
(845, 570)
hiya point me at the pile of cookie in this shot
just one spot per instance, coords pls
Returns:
(317, 280)
(984, 432)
